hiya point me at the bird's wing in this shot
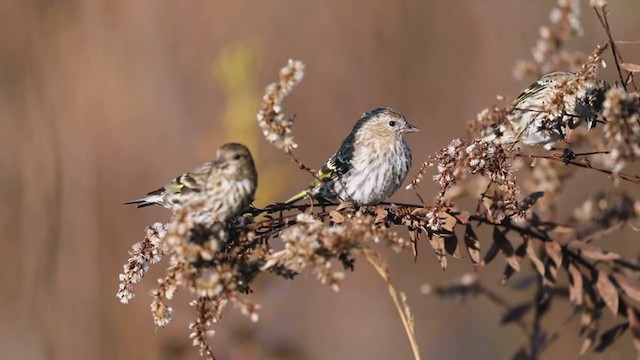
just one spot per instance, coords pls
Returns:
(337, 165)
(533, 89)
(332, 169)
(191, 181)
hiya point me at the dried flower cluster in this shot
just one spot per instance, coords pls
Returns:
(217, 262)
(598, 278)
(460, 159)
(517, 189)
(622, 129)
(142, 255)
(275, 126)
(312, 243)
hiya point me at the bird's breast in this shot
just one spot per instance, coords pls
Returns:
(376, 173)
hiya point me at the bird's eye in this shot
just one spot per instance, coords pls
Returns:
(392, 123)
(237, 157)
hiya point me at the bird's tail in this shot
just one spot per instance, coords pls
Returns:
(301, 195)
(140, 203)
(152, 198)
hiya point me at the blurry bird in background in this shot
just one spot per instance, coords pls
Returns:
(548, 108)
(371, 163)
(226, 185)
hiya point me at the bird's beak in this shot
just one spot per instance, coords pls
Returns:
(410, 129)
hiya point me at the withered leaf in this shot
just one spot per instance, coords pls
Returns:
(622, 305)
(631, 265)
(630, 67)
(590, 332)
(336, 217)
(490, 254)
(516, 312)
(420, 212)
(575, 288)
(608, 291)
(586, 318)
(447, 221)
(414, 236)
(554, 251)
(347, 204)
(610, 336)
(463, 217)
(521, 250)
(507, 249)
(586, 344)
(437, 243)
(629, 290)
(472, 244)
(634, 324)
(507, 273)
(537, 263)
(592, 252)
(509, 270)
(550, 273)
(530, 200)
(451, 246)
(591, 314)
(381, 215)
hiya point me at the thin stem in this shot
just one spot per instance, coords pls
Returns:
(617, 57)
(300, 164)
(404, 316)
(627, 177)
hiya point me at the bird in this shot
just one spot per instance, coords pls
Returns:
(226, 185)
(371, 163)
(544, 112)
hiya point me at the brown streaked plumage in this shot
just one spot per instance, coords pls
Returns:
(371, 163)
(226, 185)
(575, 100)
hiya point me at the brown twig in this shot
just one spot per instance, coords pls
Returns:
(300, 164)
(617, 57)
(627, 177)
(398, 299)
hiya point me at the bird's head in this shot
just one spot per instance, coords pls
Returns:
(383, 124)
(235, 159)
(589, 104)
(556, 78)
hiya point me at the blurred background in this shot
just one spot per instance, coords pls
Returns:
(103, 101)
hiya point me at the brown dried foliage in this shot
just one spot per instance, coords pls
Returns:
(517, 191)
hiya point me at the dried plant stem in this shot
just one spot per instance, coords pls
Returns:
(627, 177)
(374, 259)
(219, 261)
(617, 57)
(602, 233)
(614, 50)
(300, 164)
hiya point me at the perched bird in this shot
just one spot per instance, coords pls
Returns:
(226, 185)
(371, 163)
(548, 108)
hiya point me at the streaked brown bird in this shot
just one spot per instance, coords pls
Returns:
(225, 186)
(371, 163)
(548, 108)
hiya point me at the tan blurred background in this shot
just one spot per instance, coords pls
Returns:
(102, 101)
